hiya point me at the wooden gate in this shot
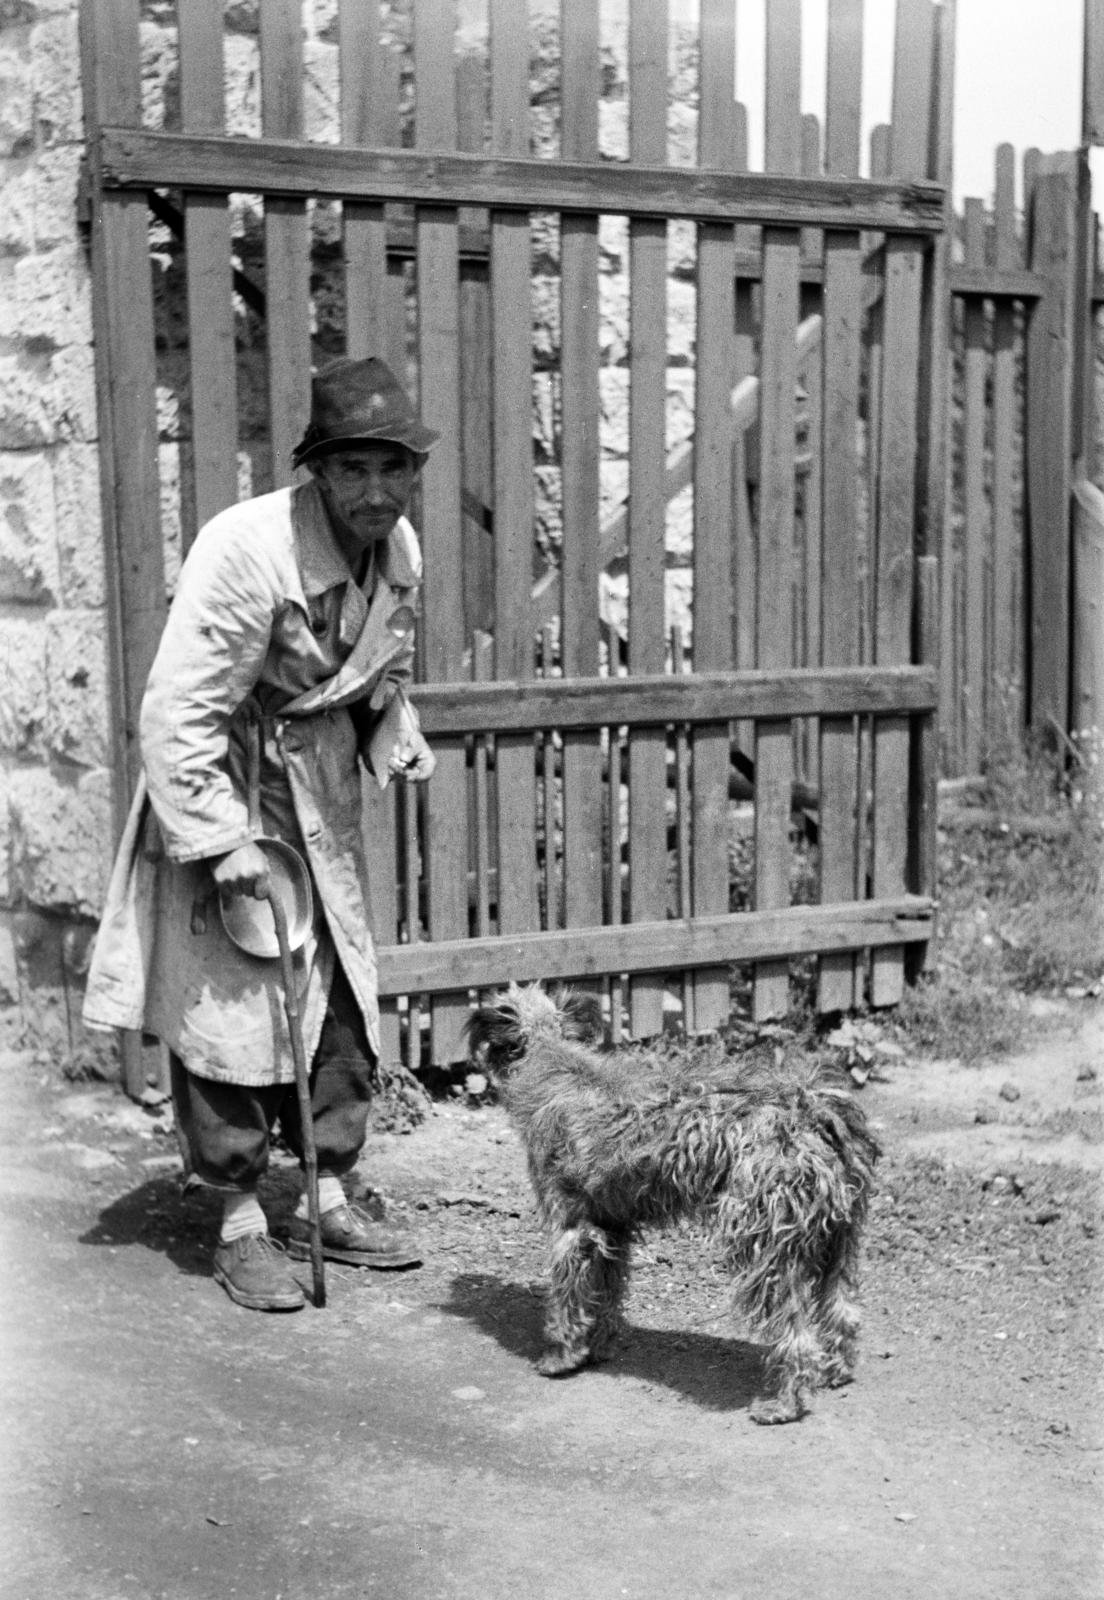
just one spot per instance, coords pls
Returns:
(650, 808)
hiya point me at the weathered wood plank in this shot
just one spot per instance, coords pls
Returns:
(843, 110)
(975, 673)
(208, 250)
(840, 976)
(580, 455)
(653, 946)
(287, 241)
(512, 432)
(1008, 663)
(442, 629)
(122, 312)
(659, 698)
(142, 159)
(647, 505)
(706, 828)
(1049, 434)
(369, 115)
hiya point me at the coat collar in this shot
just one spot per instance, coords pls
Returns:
(322, 565)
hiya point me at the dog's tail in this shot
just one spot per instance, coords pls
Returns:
(505, 1028)
(800, 1187)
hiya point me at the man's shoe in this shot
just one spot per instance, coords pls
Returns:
(349, 1235)
(255, 1274)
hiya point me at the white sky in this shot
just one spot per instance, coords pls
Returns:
(1017, 77)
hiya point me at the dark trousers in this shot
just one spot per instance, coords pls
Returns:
(224, 1128)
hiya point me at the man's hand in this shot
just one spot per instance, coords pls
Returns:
(412, 760)
(243, 871)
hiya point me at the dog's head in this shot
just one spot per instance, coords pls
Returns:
(504, 1029)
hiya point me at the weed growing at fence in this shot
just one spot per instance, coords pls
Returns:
(1021, 902)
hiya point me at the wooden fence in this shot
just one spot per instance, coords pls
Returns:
(612, 801)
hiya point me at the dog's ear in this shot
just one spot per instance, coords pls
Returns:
(494, 1032)
(581, 1016)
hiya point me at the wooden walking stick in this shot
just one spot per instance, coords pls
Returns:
(302, 1086)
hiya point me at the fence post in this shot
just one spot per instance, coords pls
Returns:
(1087, 695)
(1049, 436)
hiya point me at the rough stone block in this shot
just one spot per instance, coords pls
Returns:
(47, 397)
(17, 212)
(51, 298)
(55, 181)
(80, 551)
(60, 839)
(16, 125)
(23, 673)
(55, 63)
(28, 547)
(77, 699)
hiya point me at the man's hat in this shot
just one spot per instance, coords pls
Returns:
(360, 402)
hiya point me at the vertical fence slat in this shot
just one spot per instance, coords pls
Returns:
(1007, 675)
(1049, 424)
(713, 489)
(287, 240)
(208, 251)
(839, 798)
(581, 411)
(975, 370)
(476, 346)
(369, 116)
(438, 339)
(781, 290)
(122, 311)
(897, 472)
(512, 381)
(647, 488)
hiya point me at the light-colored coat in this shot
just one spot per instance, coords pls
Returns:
(267, 623)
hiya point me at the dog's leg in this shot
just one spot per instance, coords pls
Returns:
(589, 1271)
(838, 1320)
(796, 1363)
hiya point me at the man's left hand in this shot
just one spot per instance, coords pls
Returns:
(412, 760)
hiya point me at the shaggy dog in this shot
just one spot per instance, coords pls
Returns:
(776, 1160)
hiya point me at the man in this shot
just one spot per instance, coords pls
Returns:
(283, 661)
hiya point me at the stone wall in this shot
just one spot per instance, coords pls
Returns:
(55, 789)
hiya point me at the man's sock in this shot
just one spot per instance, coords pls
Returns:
(330, 1196)
(241, 1214)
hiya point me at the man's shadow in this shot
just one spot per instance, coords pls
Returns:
(715, 1373)
(162, 1216)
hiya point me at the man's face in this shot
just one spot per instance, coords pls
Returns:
(367, 488)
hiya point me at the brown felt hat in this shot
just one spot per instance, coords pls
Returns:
(354, 402)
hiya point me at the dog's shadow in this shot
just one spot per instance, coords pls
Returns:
(710, 1371)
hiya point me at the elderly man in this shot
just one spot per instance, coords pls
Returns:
(283, 661)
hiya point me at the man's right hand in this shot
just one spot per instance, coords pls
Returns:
(242, 871)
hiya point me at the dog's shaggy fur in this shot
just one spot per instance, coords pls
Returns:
(777, 1161)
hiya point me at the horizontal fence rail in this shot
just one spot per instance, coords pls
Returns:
(125, 158)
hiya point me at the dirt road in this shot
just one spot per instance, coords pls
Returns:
(161, 1442)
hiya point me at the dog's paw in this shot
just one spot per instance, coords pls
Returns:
(767, 1409)
(559, 1363)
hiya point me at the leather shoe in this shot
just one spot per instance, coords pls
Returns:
(349, 1235)
(255, 1274)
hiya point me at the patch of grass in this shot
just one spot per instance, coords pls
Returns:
(1021, 906)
